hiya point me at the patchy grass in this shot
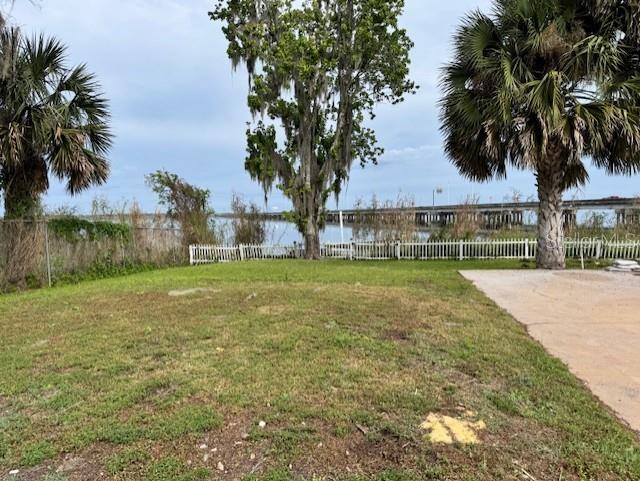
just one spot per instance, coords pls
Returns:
(341, 361)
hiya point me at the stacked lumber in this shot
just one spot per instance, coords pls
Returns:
(621, 265)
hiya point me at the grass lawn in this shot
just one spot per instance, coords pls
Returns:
(290, 370)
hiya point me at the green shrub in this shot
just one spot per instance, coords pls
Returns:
(74, 229)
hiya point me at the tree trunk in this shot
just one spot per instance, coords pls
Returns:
(311, 197)
(20, 200)
(551, 253)
(312, 239)
(23, 235)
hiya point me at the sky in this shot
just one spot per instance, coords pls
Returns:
(177, 105)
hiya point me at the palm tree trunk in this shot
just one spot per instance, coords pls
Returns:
(551, 253)
(23, 234)
(20, 202)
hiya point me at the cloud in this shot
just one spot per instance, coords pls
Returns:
(177, 104)
(210, 134)
(420, 151)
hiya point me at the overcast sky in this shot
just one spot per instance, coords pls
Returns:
(177, 105)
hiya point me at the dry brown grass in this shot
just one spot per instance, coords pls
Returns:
(23, 253)
(385, 221)
(22, 247)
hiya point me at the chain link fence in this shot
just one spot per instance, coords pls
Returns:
(32, 254)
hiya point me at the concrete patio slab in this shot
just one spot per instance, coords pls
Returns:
(588, 319)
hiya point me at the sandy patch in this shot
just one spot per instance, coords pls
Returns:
(443, 429)
(191, 292)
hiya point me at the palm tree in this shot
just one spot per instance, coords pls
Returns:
(53, 120)
(542, 85)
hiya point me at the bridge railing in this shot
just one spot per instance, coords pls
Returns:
(430, 250)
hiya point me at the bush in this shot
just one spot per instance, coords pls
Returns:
(74, 229)
(397, 224)
(249, 225)
(467, 223)
(187, 205)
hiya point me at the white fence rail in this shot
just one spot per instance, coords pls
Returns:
(463, 249)
(207, 254)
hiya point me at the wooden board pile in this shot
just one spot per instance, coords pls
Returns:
(625, 266)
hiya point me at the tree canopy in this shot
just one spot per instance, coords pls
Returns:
(53, 119)
(316, 71)
(543, 85)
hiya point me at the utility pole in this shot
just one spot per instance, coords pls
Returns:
(437, 190)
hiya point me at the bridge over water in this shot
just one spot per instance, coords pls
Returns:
(488, 216)
(493, 216)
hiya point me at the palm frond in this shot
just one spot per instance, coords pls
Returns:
(542, 78)
(52, 117)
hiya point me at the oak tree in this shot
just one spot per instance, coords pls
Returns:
(316, 69)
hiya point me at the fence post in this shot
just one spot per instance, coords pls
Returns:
(190, 255)
(526, 248)
(241, 251)
(352, 251)
(398, 250)
(461, 250)
(598, 248)
(46, 247)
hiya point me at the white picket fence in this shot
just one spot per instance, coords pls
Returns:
(463, 249)
(207, 254)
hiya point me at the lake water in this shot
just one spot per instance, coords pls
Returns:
(285, 233)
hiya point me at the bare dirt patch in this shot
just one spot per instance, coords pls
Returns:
(68, 467)
(272, 310)
(590, 320)
(191, 292)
